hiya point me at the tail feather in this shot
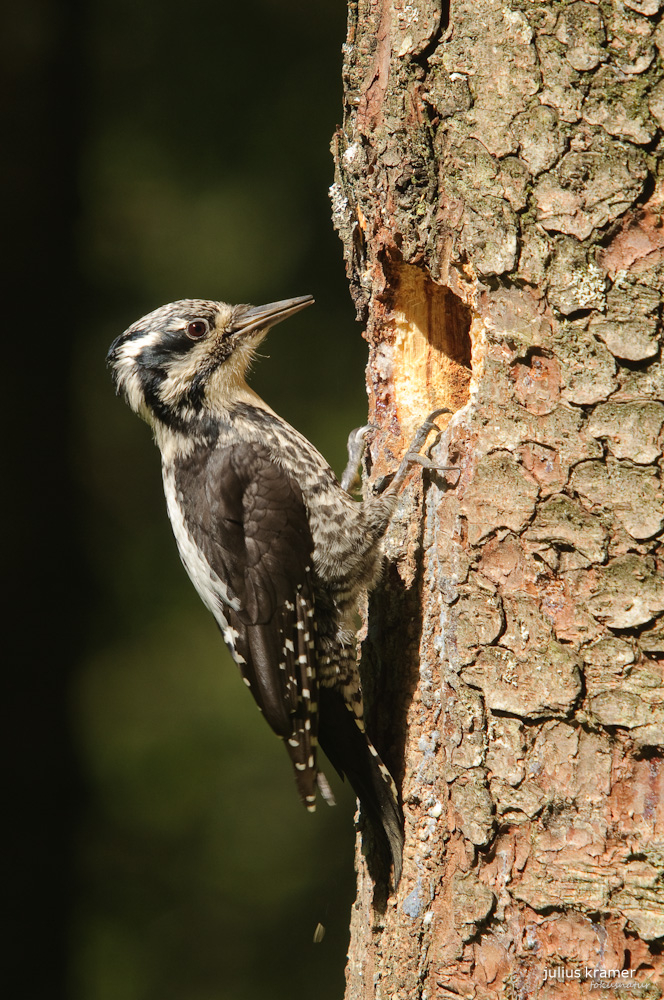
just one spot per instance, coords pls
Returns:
(351, 753)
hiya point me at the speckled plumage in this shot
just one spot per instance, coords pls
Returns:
(277, 550)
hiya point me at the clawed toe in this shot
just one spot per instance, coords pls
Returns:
(426, 463)
(356, 444)
(413, 453)
(436, 413)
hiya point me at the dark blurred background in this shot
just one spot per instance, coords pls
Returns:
(154, 151)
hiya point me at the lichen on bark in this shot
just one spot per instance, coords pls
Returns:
(498, 193)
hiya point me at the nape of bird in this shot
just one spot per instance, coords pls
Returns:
(278, 551)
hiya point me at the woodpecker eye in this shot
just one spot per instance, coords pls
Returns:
(197, 329)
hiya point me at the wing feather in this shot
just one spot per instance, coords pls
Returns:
(251, 525)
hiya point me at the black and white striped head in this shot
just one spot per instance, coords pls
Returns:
(190, 356)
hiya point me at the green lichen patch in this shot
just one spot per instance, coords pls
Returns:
(581, 29)
(561, 522)
(590, 189)
(627, 592)
(501, 495)
(632, 494)
(545, 682)
(630, 430)
(619, 106)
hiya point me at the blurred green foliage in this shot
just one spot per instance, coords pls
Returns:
(205, 168)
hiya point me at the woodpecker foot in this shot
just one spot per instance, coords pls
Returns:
(395, 482)
(426, 463)
(357, 440)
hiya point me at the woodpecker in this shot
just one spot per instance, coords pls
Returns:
(277, 549)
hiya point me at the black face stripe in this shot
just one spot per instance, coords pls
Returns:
(200, 424)
(155, 357)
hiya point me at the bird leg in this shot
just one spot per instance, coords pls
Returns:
(413, 452)
(396, 479)
(357, 443)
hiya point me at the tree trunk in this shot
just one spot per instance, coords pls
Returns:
(497, 196)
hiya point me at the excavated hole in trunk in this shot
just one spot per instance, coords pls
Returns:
(432, 346)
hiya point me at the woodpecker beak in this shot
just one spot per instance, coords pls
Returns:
(250, 318)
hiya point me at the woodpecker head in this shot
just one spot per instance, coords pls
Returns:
(191, 356)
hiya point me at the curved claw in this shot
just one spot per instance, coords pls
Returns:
(412, 453)
(437, 413)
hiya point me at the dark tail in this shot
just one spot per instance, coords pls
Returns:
(351, 753)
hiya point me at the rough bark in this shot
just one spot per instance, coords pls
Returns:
(498, 194)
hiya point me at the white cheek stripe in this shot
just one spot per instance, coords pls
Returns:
(132, 348)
